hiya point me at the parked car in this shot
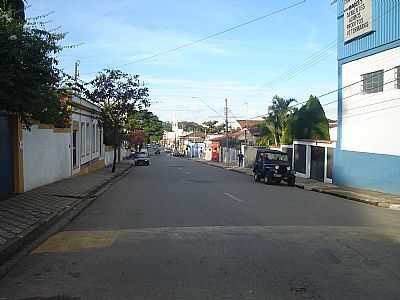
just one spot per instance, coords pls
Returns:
(132, 154)
(273, 166)
(142, 159)
(157, 152)
(176, 153)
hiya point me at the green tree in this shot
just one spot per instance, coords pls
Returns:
(220, 128)
(15, 8)
(211, 126)
(118, 95)
(30, 81)
(190, 126)
(266, 134)
(279, 114)
(146, 121)
(309, 122)
(167, 126)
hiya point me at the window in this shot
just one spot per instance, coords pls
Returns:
(372, 82)
(87, 139)
(97, 138)
(94, 139)
(83, 140)
(274, 156)
(101, 141)
(397, 77)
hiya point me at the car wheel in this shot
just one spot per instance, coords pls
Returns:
(256, 177)
(268, 179)
(291, 182)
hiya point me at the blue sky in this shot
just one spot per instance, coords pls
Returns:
(242, 65)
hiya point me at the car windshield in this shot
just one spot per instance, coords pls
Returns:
(274, 156)
(141, 155)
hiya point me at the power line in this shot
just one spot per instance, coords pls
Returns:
(210, 107)
(270, 14)
(315, 58)
(318, 57)
(344, 98)
(373, 104)
(359, 93)
(372, 111)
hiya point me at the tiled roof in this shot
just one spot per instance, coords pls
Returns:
(249, 123)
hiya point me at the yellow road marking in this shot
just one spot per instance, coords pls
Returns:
(75, 241)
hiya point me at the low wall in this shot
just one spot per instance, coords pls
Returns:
(109, 155)
(46, 155)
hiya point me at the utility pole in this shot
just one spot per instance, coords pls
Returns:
(247, 125)
(77, 63)
(226, 125)
(226, 117)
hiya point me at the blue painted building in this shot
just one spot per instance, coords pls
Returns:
(368, 145)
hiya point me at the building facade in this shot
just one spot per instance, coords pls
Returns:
(368, 145)
(87, 149)
(45, 153)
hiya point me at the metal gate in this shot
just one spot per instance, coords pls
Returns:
(317, 163)
(300, 158)
(6, 155)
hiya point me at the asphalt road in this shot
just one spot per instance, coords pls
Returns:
(183, 230)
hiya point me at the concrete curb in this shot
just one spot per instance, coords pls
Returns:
(318, 190)
(35, 232)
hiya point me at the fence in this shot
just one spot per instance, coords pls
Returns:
(229, 156)
(314, 159)
(310, 159)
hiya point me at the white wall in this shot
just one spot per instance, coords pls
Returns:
(333, 134)
(370, 121)
(87, 150)
(109, 156)
(46, 157)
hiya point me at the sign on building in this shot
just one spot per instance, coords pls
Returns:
(357, 18)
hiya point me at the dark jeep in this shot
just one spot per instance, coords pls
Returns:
(273, 166)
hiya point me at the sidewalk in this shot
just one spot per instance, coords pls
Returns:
(24, 217)
(360, 195)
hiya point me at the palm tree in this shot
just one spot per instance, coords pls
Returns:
(278, 116)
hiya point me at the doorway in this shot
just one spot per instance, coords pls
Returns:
(7, 157)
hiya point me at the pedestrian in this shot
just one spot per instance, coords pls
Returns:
(240, 157)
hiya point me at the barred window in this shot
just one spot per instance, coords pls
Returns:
(94, 139)
(372, 82)
(87, 139)
(83, 139)
(397, 77)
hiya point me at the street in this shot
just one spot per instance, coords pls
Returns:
(180, 229)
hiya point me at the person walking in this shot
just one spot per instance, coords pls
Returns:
(240, 157)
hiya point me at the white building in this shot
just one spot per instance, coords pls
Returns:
(87, 149)
(368, 145)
